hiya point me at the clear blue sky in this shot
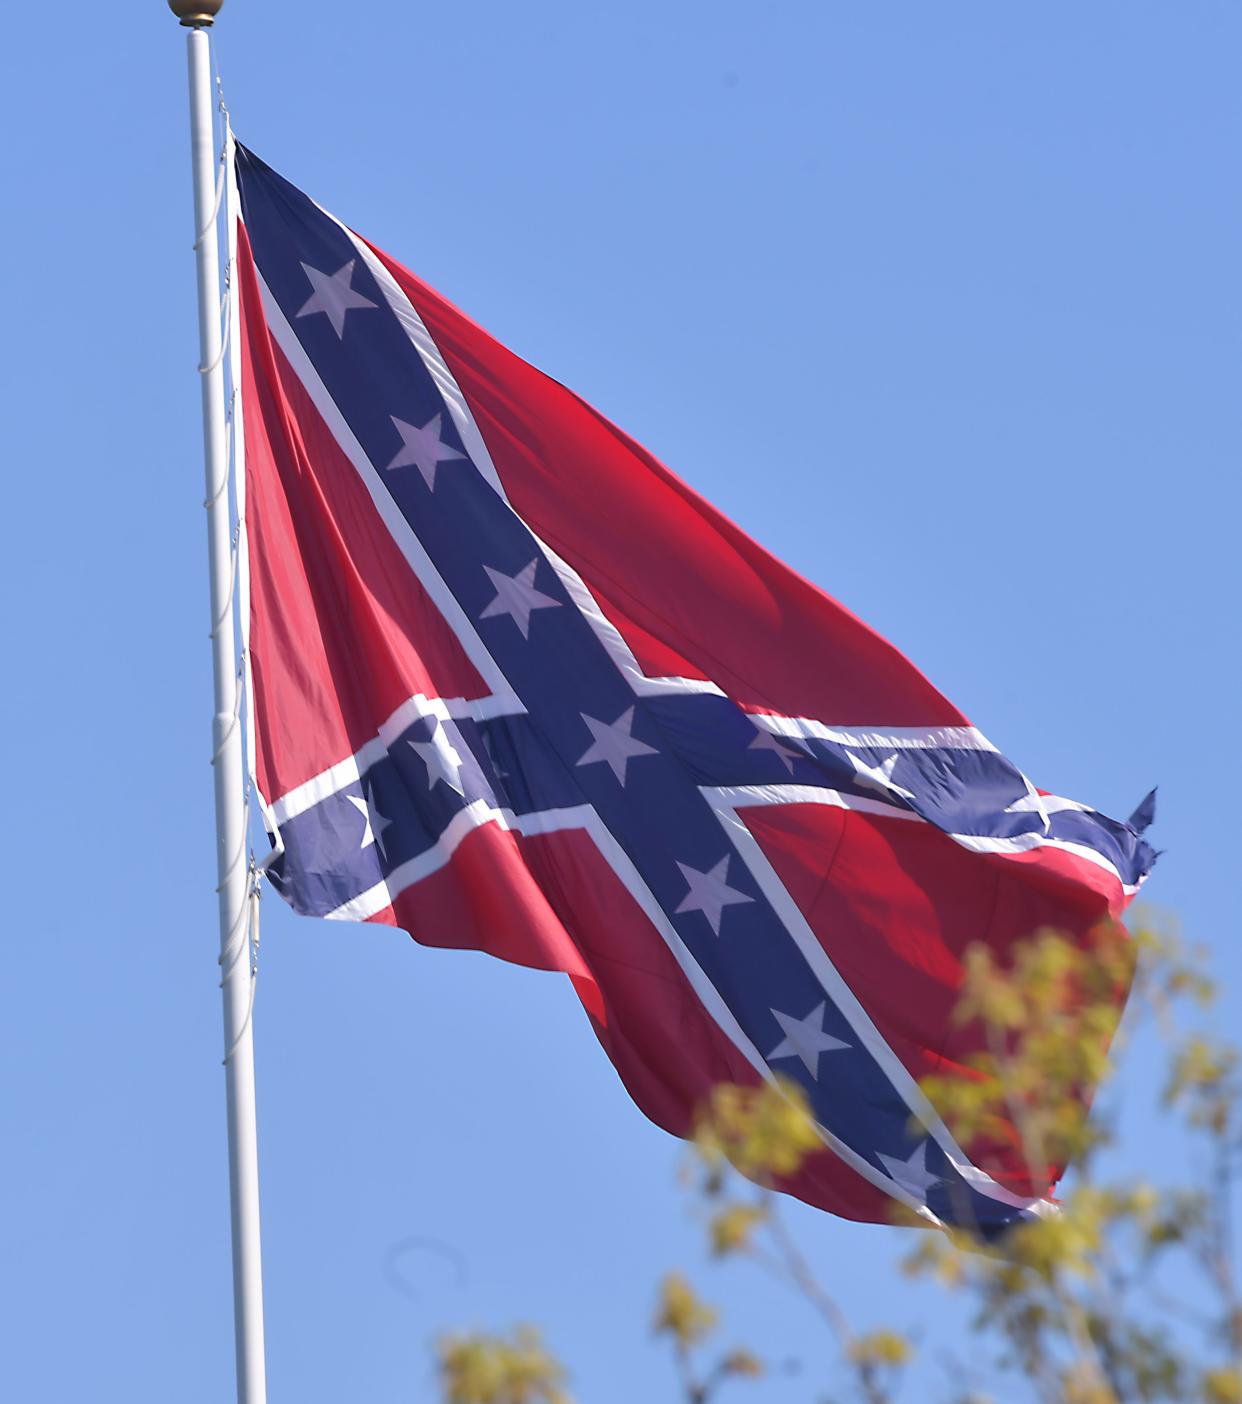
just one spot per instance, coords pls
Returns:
(941, 302)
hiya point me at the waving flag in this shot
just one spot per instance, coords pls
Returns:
(518, 688)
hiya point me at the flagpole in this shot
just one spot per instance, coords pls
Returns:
(237, 987)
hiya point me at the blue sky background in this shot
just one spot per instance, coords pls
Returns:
(941, 302)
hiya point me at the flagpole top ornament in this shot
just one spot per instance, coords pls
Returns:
(196, 14)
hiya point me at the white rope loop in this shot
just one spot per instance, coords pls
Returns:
(237, 942)
(229, 415)
(217, 201)
(215, 207)
(246, 1022)
(238, 683)
(228, 603)
(239, 932)
(250, 909)
(232, 867)
(219, 356)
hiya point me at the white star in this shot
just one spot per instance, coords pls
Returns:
(422, 447)
(878, 777)
(440, 757)
(373, 823)
(614, 744)
(1031, 803)
(333, 296)
(769, 741)
(912, 1175)
(709, 892)
(805, 1038)
(516, 596)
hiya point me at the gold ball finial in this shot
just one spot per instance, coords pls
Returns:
(195, 14)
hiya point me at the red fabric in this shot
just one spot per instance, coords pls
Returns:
(691, 593)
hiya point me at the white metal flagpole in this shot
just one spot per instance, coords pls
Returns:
(234, 879)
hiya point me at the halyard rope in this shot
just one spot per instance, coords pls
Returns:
(243, 934)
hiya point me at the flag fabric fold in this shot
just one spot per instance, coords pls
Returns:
(516, 687)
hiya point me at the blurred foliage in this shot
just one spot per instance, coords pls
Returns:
(681, 1314)
(689, 1322)
(761, 1131)
(483, 1369)
(1074, 1304)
